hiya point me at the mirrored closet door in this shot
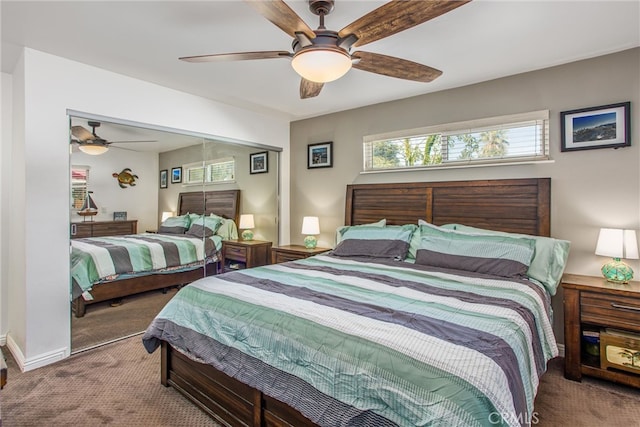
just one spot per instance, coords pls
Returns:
(130, 180)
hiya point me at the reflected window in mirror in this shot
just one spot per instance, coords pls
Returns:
(210, 171)
(79, 185)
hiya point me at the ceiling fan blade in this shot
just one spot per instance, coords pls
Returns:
(129, 142)
(309, 89)
(81, 133)
(394, 67)
(122, 148)
(282, 16)
(396, 16)
(238, 56)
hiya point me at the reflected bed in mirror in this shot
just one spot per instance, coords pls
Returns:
(107, 268)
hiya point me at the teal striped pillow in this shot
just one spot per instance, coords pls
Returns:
(487, 254)
(175, 225)
(373, 241)
(342, 229)
(204, 226)
(549, 258)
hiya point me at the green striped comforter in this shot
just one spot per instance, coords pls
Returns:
(365, 343)
(98, 259)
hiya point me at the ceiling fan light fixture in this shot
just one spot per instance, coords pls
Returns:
(93, 149)
(321, 65)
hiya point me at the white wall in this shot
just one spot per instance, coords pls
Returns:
(44, 88)
(5, 162)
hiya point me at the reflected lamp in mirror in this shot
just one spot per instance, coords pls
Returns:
(247, 225)
(617, 244)
(311, 228)
(167, 214)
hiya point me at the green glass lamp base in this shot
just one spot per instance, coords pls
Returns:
(617, 271)
(310, 242)
(247, 235)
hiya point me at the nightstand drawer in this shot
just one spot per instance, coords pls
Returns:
(610, 310)
(285, 257)
(236, 253)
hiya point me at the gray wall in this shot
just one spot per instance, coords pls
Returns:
(590, 189)
(258, 194)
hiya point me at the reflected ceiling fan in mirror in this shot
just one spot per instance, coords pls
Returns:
(90, 143)
(324, 55)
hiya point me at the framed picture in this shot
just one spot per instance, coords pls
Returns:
(164, 178)
(120, 216)
(606, 126)
(320, 155)
(259, 162)
(176, 175)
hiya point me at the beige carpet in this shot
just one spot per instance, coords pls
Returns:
(590, 403)
(119, 384)
(103, 323)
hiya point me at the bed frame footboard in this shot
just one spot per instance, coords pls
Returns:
(225, 399)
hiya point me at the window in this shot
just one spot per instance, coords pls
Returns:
(497, 140)
(210, 172)
(79, 185)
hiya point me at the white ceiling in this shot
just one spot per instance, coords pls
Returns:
(480, 41)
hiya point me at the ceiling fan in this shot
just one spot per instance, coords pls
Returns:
(324, 55)
(89, 142)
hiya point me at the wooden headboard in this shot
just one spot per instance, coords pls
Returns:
(224, 203)
(512, 205)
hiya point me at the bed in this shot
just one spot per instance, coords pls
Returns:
(89, 289)
(348, 339)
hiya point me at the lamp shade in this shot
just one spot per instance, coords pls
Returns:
(617, 243)
(93, 149)
(310, 225)
(321, 65)
(246, 222)
(167, 214)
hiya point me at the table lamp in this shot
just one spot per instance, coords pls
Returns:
(617, 243)
(166, 215)
(247, 225)
(310, 227)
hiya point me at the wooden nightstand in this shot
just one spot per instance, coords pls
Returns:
(293, 252)
(239, 254)
(593, 303)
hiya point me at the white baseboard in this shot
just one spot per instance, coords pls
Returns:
(39, 361)
(3, 339)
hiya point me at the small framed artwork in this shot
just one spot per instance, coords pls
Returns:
(606, 126)
(320, 155)
(259, 162)
(164, 178)
(120, 216)
(176, 175)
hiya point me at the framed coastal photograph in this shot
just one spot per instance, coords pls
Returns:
(320, 155)
(120, 216)
(606, 126)
(176, 175)
(164, 178)
(259, 162)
